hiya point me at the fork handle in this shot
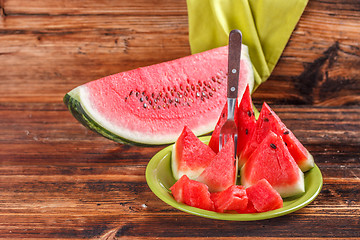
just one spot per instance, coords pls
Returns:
(235, 40)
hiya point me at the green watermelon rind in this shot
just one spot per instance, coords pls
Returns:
(75, 107)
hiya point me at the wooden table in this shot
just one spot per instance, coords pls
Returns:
(59, 180)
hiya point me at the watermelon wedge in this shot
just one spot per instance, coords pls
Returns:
(190, 156)
(272, 160)
(214, 140)
(221, 173)
(245, 120)
(264, 197)
(192, 193)
(151, 105)
(269, 121)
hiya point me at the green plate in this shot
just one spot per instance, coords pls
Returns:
(159, 178)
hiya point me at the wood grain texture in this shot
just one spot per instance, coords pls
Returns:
(59, 180)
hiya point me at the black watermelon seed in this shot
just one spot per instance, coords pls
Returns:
(249, 113)
(155, 100)
(170, 101)
(213, 79)
(210, 94)
(131, 92)
(273, 146)
(145, 105)
(188, 104)
(285, 143)
(141, 99)
(137, 94)
(159, 106)
(286, 132)
(143, 93)
(147, 98)
(266, 119)
(150, 102)
(153, 95)
(126, 98)
(246, 131)
(176, 100)
(198, 94)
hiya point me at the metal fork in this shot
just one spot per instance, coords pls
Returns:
(229, 128)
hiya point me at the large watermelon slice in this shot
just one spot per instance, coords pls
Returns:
(190, 156)
(272, 160)
(151, 105)
(269, 121)
(221, 173)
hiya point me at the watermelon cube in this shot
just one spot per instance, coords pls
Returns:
(190, 156)
(233, 198)
(192, 193)
(264, 197)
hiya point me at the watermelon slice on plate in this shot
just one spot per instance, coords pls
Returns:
(151, 105)
(192, 193)
(221, 173)
(272, 160)
(269, 121)
(190, 156)
(264, 197)
(245, 120)
(214, 140)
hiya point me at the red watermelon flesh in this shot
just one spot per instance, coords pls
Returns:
(264, 197)
(221, 173)
(214, 140)
(269, 121)
(150, 105)
(233, 198)
(272, 160)
(190, 156)
(249, 208)
(192, 193)
(245, 120)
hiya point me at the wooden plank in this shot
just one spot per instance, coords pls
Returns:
(39, 43)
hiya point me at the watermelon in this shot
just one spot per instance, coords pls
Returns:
(264, 197)
(233, 198)
(151, 105)
(215, 136)
(245, 120)
(221, 173)
(192, 193)
(190, 156)
(272, 160)
(269, 121)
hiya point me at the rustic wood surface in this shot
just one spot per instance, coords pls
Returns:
(59, 180)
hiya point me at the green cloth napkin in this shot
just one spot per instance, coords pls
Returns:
(266, 26)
